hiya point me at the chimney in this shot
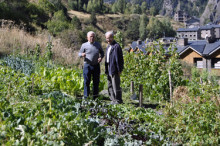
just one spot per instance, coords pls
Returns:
(139, 42)
(210, 39)
(182, 41)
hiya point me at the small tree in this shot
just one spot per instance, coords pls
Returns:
(76, 22)
(84, 7)
(143, 7)
(155, 28)
(93, 19)
(132, 32)
(153, 11)
(119, 38)
(89, 6)
(143, 27)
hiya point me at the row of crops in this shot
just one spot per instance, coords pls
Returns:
(39, 107)
(51, 117)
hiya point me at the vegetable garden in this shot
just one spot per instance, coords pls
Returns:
(39, 105)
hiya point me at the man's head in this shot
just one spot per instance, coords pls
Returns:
(109, 36)
(91, 36)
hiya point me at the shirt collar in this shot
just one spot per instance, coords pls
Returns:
(91, 43)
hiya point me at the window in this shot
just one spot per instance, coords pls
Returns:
(198, 62)
(215, 63)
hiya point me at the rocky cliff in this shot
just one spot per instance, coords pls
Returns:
(212, 12)
(207, 10)
(192, 7)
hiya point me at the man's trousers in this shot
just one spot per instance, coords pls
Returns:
(114, 89)
(91, 71)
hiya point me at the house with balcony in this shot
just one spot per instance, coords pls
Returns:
(181, 16)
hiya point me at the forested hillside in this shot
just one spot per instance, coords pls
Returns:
(152, 7)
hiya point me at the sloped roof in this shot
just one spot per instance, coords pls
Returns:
(187, 29)
(192, 20)
(206, 27)
(211, 48)
(201, 47)
(216, 26)
(180, 48)
(141, 47)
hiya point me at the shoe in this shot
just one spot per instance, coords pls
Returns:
(84, 97)
(114, 102)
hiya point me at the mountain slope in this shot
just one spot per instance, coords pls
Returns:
(212, 12)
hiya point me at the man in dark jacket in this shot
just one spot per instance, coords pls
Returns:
(114, 64)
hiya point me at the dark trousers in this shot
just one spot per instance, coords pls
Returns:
(114, 88)
(94, 72)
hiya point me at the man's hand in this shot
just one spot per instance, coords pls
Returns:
(83, 55)
(119, 73)
(99, 59)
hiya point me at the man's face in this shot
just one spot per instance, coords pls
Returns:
(91, 38)
(109, 39)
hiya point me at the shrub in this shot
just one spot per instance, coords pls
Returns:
(152, 71)
(59, 23)
(70, 38)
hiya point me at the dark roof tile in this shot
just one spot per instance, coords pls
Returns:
(210, 47)
(202, 47)
(187, 29)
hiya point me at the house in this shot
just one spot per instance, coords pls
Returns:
(207, 31)
(216, 31)
(201, 53)
(181, 16)
(190, 33)
(138, 46)
(168, 40)
(192, 22)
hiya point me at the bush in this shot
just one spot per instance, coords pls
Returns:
(59, 23)
(152, 71)
(76, 22)
(70, 38)
(83, 35)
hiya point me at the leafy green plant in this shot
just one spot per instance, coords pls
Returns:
(49, 53)
(151, 70)
(59, 23)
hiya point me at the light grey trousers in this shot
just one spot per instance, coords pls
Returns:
(114, 89)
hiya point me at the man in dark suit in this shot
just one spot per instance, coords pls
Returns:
(114, 64)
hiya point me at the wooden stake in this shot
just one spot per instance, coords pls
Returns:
(33, 85)
(140, 95)
(132, 87)
(9, 91)
(170, 83)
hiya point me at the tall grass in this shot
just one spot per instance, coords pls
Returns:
(17, 41)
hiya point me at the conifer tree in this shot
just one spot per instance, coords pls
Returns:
(76, 22)
(90, 6)
(84, 7)
(114, 8)
(80, 5)
(132, 31)
(143, 27)
(143, 7)
(93, 19)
